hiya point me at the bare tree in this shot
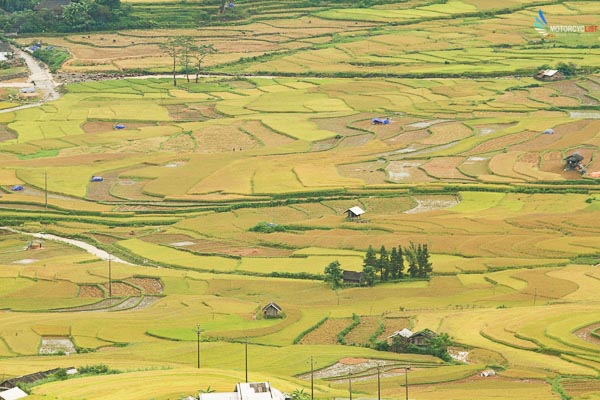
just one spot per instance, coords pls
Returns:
(198, 53)
(172, 48)
(186, 48)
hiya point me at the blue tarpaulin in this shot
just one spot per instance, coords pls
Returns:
(17, 188)
(380, 121)
(120, 126)
(97, 179)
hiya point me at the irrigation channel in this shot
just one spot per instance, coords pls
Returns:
(103, 255)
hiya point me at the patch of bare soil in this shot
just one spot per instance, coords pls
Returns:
(57, 345)
(180, 143)
(571, 89)
(99, 306)
(586, 334)
(6, 134)
(100, 191)
(392, 325)
(365, 368)
(148, 285)
(90, 291)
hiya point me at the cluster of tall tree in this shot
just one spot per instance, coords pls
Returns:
(186, 53)
(31, 16)
(391, 265)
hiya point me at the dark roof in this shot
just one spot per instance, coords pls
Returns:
(273, 305)
(354, 276)
(52, 4)
(11, 383)
(428, 333)
(5, 47)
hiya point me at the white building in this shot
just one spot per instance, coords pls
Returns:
(247, 391)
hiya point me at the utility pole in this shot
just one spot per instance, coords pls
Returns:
(406, 380)
(312, 381)
(246, 360)
(378, 382)
(534, 296)
(350, 384)
(198, 331)
(109, 278)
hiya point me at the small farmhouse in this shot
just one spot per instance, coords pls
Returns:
(422, 337)
(247, 391)
(5, 51)
(352, 277)
(271, 310)
(549, 75)
(354, 212)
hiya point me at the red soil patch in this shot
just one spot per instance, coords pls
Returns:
(90, 291)
(148, 285)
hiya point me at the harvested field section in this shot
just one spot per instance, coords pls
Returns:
(407, 171)
(445, 168)
(148, 285)
(371, 173)
(90, 291)
(328, 332)
(121, 289)
(361, 333)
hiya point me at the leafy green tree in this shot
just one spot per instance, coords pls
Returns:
(411, 253)
(333, 275)
(400, 267)
(567, 69)
(394, 272)
(370, 257)
(77, 16)
(369, 275)
(424, 265)
(383, 264)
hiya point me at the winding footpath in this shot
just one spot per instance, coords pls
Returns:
(39, 77)
(101, 254)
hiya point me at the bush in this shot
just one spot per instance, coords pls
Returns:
(267, 227)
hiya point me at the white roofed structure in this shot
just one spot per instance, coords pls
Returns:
(355, 212)
(13, 394)
(405, 333)
(247, 391)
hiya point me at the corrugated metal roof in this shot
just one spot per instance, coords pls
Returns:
(550, 72)
(13, 394)
(356, 210)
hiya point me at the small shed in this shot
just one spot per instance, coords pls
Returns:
(13, 394)
(352, 277)
(54, 5)
(549, 132)
(28, 90)
(354, 212)
(549, 75)
(17, 188)
(97, 179)
(422, 337)
(271, 310)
